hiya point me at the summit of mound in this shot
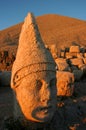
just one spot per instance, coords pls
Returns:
(55, 29)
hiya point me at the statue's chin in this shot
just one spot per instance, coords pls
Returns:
(43, 116)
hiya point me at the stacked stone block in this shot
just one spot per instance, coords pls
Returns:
(75, 59)
(65, 83)
(71, 61)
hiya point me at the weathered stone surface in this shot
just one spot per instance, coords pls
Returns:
(80, 55)
(74, 54)
(62, 55)
(62, 64)
(68, 55)
(84, 59)
(74, 49)
(85, 54)
(65, 83)
(77, 61)
(33, 76)
(6, 60)
(53, 49)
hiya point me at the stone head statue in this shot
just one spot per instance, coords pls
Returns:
(33, 76)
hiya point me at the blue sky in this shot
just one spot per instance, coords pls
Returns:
(14, 11)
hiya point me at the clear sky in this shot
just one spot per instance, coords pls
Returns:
(14, 11)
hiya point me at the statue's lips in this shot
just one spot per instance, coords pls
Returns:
(43, 113)
(45, 109)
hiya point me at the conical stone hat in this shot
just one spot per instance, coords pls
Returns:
(32, 56)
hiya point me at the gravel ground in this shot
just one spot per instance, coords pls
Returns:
(6, 103)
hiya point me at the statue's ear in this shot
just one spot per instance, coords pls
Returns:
(15, 81)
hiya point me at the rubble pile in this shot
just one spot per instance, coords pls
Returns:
(72, 60)
(6, 60)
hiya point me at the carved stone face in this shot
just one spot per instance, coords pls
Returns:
(36, 95)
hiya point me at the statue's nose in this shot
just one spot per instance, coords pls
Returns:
(45, 93)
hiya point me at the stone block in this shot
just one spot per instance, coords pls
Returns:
(74, 49)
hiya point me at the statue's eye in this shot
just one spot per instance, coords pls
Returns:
(38, 84)
(53, 82)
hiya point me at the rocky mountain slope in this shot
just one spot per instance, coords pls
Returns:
(54, 29)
